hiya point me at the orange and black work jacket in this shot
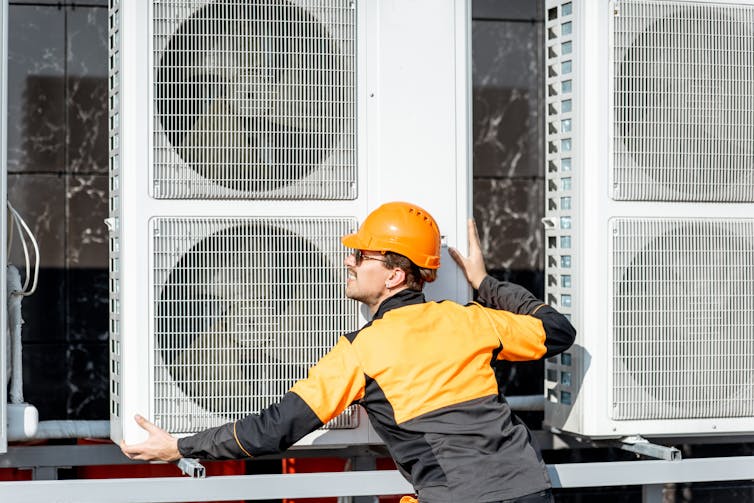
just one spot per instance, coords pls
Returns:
(422, 370)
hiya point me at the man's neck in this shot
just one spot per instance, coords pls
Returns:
(388, 293)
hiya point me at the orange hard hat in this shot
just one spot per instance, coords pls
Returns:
(402, 228)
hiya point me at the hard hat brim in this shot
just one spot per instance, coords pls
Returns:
(352, 241)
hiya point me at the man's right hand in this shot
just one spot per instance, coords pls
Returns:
(159, 446)
(473, 265)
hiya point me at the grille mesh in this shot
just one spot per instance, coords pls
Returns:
(243, 307)
(683, 318)
(683, 101)
(254, 99)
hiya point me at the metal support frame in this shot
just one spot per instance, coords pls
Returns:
(641, 445)
(192, 468)
(652, 475)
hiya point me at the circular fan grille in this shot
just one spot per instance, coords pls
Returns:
(244, 314)
(682, 336)
(252, 96)
(684, 102)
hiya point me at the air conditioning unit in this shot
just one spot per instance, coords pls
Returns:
(650, 216)
(246, 138)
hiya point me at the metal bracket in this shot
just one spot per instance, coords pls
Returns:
(192, 468)
(641, 445)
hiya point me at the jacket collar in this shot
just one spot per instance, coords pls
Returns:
(400, 299)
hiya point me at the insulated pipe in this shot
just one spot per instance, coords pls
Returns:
(73, 429)
(13, 284)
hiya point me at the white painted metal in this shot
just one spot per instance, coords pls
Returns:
(3, 220)
(409, 119)
(644, 256)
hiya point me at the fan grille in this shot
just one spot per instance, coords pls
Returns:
(683, 101)
(254, 99)
(683, 318)
(243, 307)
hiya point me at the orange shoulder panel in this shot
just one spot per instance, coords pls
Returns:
(428, 356)
(522, 336)
(336, 381)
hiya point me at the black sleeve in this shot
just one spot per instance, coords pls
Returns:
(506, 296)
(271, 431)
(559, 333)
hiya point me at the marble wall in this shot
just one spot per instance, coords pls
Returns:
(508, 152)
(57, 180)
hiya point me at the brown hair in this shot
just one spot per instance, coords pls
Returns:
(415, 276)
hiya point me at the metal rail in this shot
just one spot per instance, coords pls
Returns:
(650, 474)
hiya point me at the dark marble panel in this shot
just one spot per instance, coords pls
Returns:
(508, 213)
(45, 311)
(86, 244)
(507, 99)
(86, 87)
(46, 379)
(525, 10)
(40, 200)
(88, 312)
(88, 381)
(36, 88)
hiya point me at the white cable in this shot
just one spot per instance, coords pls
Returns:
(23, 228)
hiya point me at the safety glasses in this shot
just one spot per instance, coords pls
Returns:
(359, 257)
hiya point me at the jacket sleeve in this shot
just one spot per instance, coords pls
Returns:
(333, 384)
(558, 333)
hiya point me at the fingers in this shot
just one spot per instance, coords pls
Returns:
(131, 451)
(473, 234)
(457, 257)
(159, 446)
(149, 427)
(124, 448)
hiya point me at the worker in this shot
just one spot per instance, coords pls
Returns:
(422, 370)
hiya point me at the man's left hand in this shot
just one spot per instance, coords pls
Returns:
(160, 446)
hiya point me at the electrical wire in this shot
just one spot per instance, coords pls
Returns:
(24, 231)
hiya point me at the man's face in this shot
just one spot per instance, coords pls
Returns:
(367, 276)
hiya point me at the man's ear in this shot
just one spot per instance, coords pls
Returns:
(397, 278)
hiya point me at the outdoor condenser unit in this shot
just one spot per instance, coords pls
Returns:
(650, 216)
(246, 137)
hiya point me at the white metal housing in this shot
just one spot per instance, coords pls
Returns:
(650, 216)
(246, 138)
(4, 349)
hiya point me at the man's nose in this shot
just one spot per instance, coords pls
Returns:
(350, 260)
